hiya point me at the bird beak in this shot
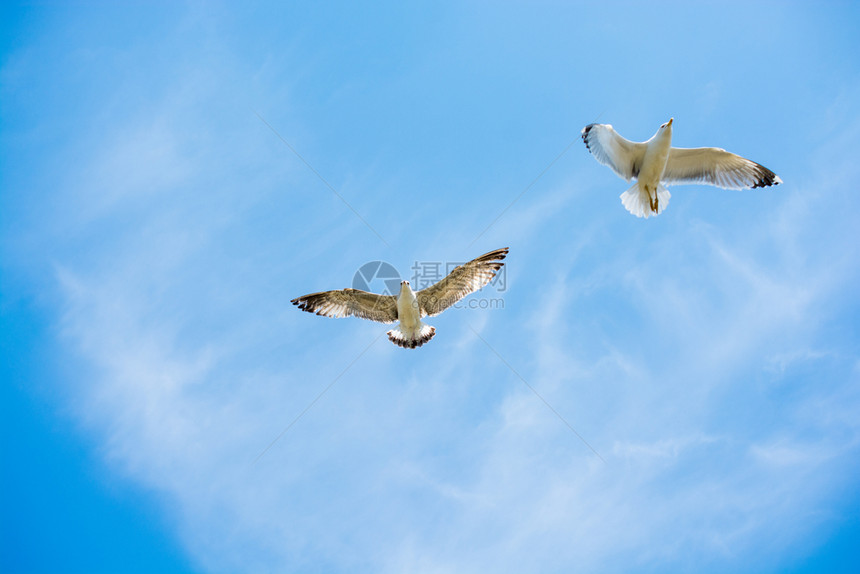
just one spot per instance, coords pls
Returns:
(670, 122)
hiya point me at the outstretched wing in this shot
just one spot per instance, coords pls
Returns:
(464, 279)
(715, 166)
(350, 303)
(609, 148)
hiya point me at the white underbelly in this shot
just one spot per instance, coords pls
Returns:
(408, 312)
(649, 176)
(653, 164)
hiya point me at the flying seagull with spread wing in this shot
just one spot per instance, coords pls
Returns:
(408, 307)
(655, 162)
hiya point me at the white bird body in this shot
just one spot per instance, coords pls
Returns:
(655, 163)
(407, 306)
(411, 328)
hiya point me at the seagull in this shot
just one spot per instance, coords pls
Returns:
(408, 307)
(655, 162)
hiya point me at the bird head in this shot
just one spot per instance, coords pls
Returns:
(667, 125)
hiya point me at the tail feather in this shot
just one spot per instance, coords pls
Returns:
(638, 202)
(411, 338)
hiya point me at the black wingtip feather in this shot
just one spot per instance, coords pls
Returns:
(766, 178)
(585, 131)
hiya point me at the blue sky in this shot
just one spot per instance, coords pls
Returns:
(155, 225)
